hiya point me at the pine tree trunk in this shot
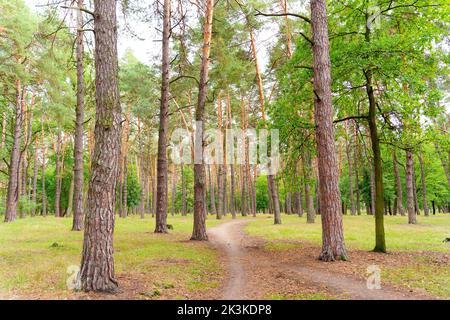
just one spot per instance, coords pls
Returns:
(174, 189)
(58, 176)
(78, 167)
(416, 201)
(44, 194)
(124, 194)
(12, 198)
(332, 231)
(398, 184)
(35, 177)
(162, 184)
(70, 200)
(183, 192)
(272, 188)
(97, 264)
(426, 211)
(350, 180)
(410, 188)
(199, 230)
(221, 169)
(309, 200)
(212, 193)
(232, 172)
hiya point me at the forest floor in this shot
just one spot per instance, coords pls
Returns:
(289, 269)
(247, 258)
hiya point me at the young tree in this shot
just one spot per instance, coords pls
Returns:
(199, 232)
(78, 167)
(162, 182)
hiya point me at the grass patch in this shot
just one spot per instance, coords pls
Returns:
(36, 252)
(425, 275)
(359, 232)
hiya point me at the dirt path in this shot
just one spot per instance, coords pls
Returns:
(255, 273)
(229, 237)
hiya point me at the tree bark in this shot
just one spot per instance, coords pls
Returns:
(232, 172)
(97, 264)
(12, 198)
(162, 182)
(221, 169)
(426, 211)
(199, 230)
(212, 193)
(380, 242)
(350, 180)
(309, 199)
(410, 188)
(329, 196)
(43, 149)
(398, 184)
(35, 177)
(174, 189)
(58, 175)
(78, 167)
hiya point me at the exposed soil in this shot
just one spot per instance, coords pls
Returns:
(256, 272)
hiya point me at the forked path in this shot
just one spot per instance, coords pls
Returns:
(253, 271)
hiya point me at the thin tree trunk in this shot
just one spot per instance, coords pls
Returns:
(221, 169)
(78, 167)
(232, 172)
(410, 188)
(174, 189)
(124, 194)
(35, 177)
(398, 184)
(44, 194)
(350, 179)
(212, 193)
(273, 191)
(416, 201)
(329, 196)
(183, 192)
(70, 200)
(162, 184)
(58, 176)
(426, 211)
(309, 200)
(97, 264)
(199, 230)
(380, 242)
(12, 198)
(357, 162)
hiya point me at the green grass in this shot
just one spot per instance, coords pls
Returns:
(425, 275)
(36, 252)
(427, 236)
(359, 232)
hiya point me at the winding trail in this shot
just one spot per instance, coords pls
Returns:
(251, 270)
(230, 238)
